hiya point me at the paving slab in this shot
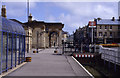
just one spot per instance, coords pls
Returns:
(46, 63)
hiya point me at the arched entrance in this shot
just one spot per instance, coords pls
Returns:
(53, 39)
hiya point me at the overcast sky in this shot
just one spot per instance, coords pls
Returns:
(72, 14)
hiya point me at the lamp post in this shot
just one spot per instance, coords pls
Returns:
(28, 42)
(37, 40)
(28, 26)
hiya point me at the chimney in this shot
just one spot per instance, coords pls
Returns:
(30, 18)
(3, 11)
(113, 18)
(98, 19)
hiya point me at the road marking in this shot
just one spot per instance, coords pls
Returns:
(83, 68)
(11, 70)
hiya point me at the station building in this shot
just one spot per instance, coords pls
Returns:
(43, 34)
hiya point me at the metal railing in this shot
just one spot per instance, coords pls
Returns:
(110, 54)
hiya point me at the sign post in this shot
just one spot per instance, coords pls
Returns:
(92, 25)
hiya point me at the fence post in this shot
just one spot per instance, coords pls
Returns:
(15, 50)
(19, 51)
(1, 51)
(24, 47)
(7, 54)
(12, 53)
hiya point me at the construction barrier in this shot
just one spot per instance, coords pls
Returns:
(28, 59)
(34, 51)
(55, 51)
(83, 55)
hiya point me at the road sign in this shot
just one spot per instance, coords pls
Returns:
(92, 24)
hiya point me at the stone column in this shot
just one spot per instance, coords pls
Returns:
(60, 38)
(44, 38)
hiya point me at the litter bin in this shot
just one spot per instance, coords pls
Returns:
(28, 59)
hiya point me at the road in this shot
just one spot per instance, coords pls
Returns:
(46, 63)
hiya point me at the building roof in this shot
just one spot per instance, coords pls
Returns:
(108, 22)
(11, 26)
(32, 23)
(64, 32)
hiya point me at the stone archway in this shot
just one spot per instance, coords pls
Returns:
(53, 39)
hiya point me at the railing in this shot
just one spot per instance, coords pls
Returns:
(110, 54)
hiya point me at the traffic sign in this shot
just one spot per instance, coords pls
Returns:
(92, 24)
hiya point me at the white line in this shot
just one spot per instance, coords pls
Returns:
(83, 68)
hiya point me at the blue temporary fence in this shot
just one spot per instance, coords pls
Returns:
(12, 44)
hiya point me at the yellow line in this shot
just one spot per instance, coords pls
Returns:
(11, 70)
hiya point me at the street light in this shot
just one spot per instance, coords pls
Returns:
(28, 26)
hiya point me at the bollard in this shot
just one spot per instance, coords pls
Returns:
(55, 51)
(28, 59)
(34, 51)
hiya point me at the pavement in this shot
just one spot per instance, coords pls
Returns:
(46, 63)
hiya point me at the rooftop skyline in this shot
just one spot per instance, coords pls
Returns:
(72, 14)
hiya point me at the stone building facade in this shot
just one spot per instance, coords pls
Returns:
(43, 34)
(64, 36)
(40, 34)
(107, 30)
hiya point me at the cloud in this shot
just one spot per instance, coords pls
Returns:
(51, 18)
(72, 14)
(61, 0)
(80, 13)
(17, 9)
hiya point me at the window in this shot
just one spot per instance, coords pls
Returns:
(100, 33)
(100, 27)
(95, 34)
(110, 33)
(105, 27)
(105, 33)
(118, 27)
(110, 27)
(118, 34)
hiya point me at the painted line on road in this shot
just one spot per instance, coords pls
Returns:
(11, 70)
(83, 68)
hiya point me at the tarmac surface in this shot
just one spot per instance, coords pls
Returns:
(46, 63)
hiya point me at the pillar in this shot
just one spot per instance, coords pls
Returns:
(60, 38)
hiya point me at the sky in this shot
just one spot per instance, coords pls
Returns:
(73, 14)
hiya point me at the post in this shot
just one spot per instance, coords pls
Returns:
(115, 67)
(12, 53)
(37, 40)
(24, 47)
(28, 42)
(19, 51)
(92, 36)
(28, 27)
(1, 52)
(92, 41)
(28, 9)
(15, 50)
(7, 54)
(81, 47)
